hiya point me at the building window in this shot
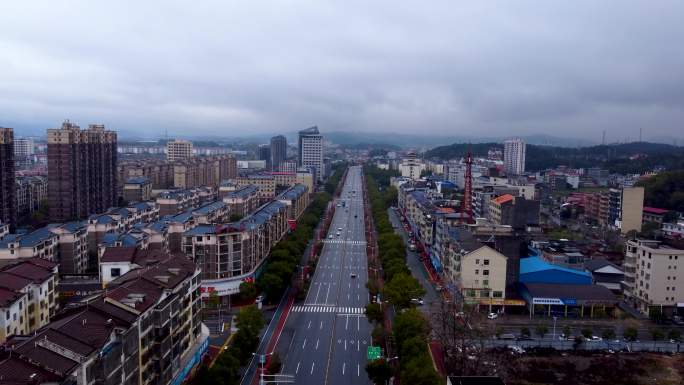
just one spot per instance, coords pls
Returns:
(115, 272)
(497, 294)
(477, 261)
(477, 271)
(486, 262)
(485, 282)
(485, 272)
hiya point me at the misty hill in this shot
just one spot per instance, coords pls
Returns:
(615, 157)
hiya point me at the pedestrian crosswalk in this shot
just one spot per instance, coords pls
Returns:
(328, 309)
(343, 241)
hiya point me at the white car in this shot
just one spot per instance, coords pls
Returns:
(417, 301)
(492, 316)
(330, 236)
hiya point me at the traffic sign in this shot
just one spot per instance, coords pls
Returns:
(373, 352)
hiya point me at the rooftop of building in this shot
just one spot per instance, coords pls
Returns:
(536, 264)
(138, 180)
(655, 210)
(293, 192)
(243, 192)
(503, 199)
(8, 297)
(310, 131)
(595, 293)
(602, 265)
(28, 239)
(209, 208)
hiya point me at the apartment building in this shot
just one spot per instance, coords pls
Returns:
(514, 156)
(81, 171)
(411, 166)
(265, 183)
(178, 150)
(296, 199)
(173, 202)
(654, 273)
(31, 191)
(27, 296)
(204, 171)
(146, 329)
(137, 189)
(41, 243)
(264, 153)
(243, 200)
(8, 201)
(310, 153)
(516, 212)
(72, 246)
(229, 254)
(212, 212)
(287, 166)
(159, 172)
(278, 151)
(482, 276)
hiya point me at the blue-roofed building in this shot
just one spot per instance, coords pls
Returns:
(296, 198)
(243, 200)
(41, 243)
(73, 246)
(536, 270)
(137, 189)
(232, 253)
(213, 212)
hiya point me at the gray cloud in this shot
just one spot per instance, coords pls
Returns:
(445, 67)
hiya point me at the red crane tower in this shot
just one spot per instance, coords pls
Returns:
(467, 202)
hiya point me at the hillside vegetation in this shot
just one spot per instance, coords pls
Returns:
(615, 157)
(665, 190)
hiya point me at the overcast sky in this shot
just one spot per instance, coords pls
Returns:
(493, 68)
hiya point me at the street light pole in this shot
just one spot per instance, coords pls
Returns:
(554, 330)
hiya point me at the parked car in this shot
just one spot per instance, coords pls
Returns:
(417, 301)
(353, 275)
(492, 316)
(330, 236)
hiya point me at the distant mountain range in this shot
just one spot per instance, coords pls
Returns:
(429, 141)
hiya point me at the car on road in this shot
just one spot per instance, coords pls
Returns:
(492, 316)
(460, 314)
(417, 301)
(596, 339)
(516, 349)
(355, 216)
(260, 298)
(353, 275)
(523, 338)
(330, 236)
(506, 336)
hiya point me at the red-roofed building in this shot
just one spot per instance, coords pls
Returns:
(33, 283)
(654, 214)
(146, 329)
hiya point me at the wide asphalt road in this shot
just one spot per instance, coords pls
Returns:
(325, 338)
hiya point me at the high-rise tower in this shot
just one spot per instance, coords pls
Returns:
(8, 190)
(514, 156)
(81, 171)
(278, 151)
(311, 151)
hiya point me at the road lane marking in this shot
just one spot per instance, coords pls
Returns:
(317, 343)
(309, 327)
(344, 365)
(358, 370)
(358, 323)
(312, 366)
(321, 325)
(304, 344)
(358, 345)
(297, 370)
(345, 344)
